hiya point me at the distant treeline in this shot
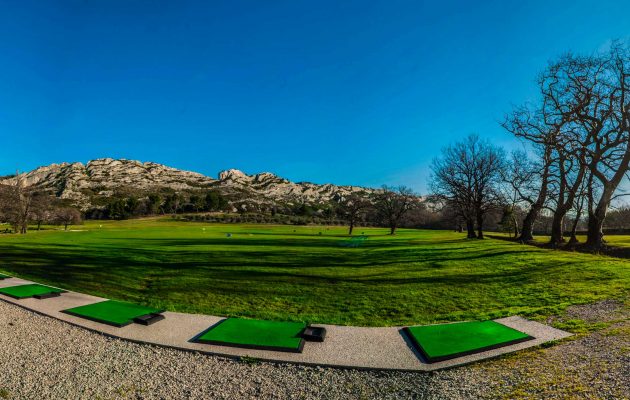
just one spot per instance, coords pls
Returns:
(132, 206)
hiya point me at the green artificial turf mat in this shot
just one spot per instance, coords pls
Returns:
(446, 341)
(256, 334)
(24, 291)
(112, 312)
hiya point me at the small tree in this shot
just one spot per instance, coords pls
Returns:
(353, 209)
(67, 216)
(41, 210)
(16, 202)
(509, 222)
(392, 204)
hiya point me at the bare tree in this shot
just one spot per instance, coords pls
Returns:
(353, 208)
(539, 129)
(516, 178)
(67, 216)
(41, 209)
(567, 87)
(17, 200)
(605, 117)
(466, 177)
(582, 128)
(392, 204)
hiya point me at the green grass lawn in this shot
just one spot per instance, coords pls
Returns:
(294, 273)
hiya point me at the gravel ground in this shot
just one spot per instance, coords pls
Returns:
(42, 358)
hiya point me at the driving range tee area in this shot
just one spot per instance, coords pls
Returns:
(31, 290)
(256, 334)
(117, 313)
(448, 341)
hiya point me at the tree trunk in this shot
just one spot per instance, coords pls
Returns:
(39, 224)
(576, 221)
(595, 233)
(527, 230)
(470, 228)
(392, 230)
(515, 223)
(557, 236)
(573, 239)
(479, 227)
(66, 227)
(351, 228)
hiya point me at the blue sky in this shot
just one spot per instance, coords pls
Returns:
(348, 92)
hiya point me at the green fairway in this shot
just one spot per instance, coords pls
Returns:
(292, 273)
(112, 312)
(26, 291)
(256, 334)
(446, 341)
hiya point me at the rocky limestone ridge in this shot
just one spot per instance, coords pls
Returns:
(81, 183)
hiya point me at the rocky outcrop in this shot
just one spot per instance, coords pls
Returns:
(83, 183)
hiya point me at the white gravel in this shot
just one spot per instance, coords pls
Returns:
(42, 358)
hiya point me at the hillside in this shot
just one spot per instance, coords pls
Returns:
(88, 185)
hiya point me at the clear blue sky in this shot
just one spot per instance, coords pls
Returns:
(348, 92)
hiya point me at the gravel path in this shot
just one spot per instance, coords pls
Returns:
(42, 358)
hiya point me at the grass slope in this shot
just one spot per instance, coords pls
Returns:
(296, 274)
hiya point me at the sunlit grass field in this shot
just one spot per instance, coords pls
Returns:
(312, 274)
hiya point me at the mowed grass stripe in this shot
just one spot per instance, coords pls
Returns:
(29, 290)
(446, 341)
(257, 334)
(111, 312)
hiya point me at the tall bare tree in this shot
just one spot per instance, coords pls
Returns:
(582, 127)
(540, 130)
(467, 177)
(605, 117)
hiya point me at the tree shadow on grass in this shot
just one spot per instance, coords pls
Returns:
(73, 264)
(323, 242)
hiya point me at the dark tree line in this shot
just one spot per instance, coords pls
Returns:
(129, 206)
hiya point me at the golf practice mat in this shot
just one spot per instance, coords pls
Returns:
(117, 313)
(256, 334)
(448, 341)
(31, 290)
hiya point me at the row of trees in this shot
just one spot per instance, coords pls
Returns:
(577, 152)
(21, 206)
(123, 207)
(389, 207)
